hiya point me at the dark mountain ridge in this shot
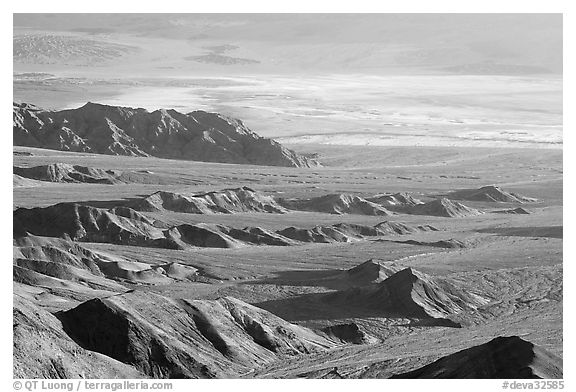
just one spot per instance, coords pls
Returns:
(502, 357)
(125, 226)
(114, 130)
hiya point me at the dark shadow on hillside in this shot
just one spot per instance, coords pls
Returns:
(107, 204)
(329, 278)
(536, 231)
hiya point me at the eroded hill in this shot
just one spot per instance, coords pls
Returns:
(125, 226)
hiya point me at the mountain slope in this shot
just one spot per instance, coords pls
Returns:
(69, 261)
(125, 226)
(119, 225)
(443, 207)
(43, 350)
(514, 211)
(336, 204)
(397, 202)
(490, 193)
(409, 293)
(502, 357)
(226, 201)
(168, 338)
(62, 172)
(371, 271)
(112, 130)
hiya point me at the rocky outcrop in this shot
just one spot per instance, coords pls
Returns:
(41, 349)
(166, 338)
(348, 333)
(371, 271)
(391, 227)
(62, 172)
(58, 251)
(412, 294)
(336, 204)
(450, 244)
(19, 182)
(68, 261)
(125, 226)
(347, 232)
(119, 225)
(490, 193)
(443, 207)
(508, 357)
(227, 201)
(202, 235)
(113, 130)
(397, 202)
(514, 211)
(319, 234)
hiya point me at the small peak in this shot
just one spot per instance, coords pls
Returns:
(90, 104)
(406, 273)
(508, 341)
(490, 187)
(97, 107)
(369, 262)
(367, 265)
(100, 106)
(441, 201)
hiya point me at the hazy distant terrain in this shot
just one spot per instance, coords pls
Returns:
(375, 44)
(338, 79)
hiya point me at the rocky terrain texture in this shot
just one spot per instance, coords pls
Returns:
(79, 222)
(43, 350)
(400, 201)
(384, 205)
(227, 201)
(166, 338)
(245, 199)
(490, 193)
(336, 204)
(214, 276)
(451, 243)
(515, 211)
(181, 244)
(345, 232)
(102, 129)
(410, 293)
(348, 333)
(65, 260)
(371, 271)
(125, 226)
(443, 207)
(62, 172)
(80, 174)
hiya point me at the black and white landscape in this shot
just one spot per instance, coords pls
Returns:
(287, 196)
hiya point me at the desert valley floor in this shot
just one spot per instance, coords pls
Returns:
(482, 260)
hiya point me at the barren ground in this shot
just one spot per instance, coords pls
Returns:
(514, 258)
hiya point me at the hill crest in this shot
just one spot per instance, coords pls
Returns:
(115, 130)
